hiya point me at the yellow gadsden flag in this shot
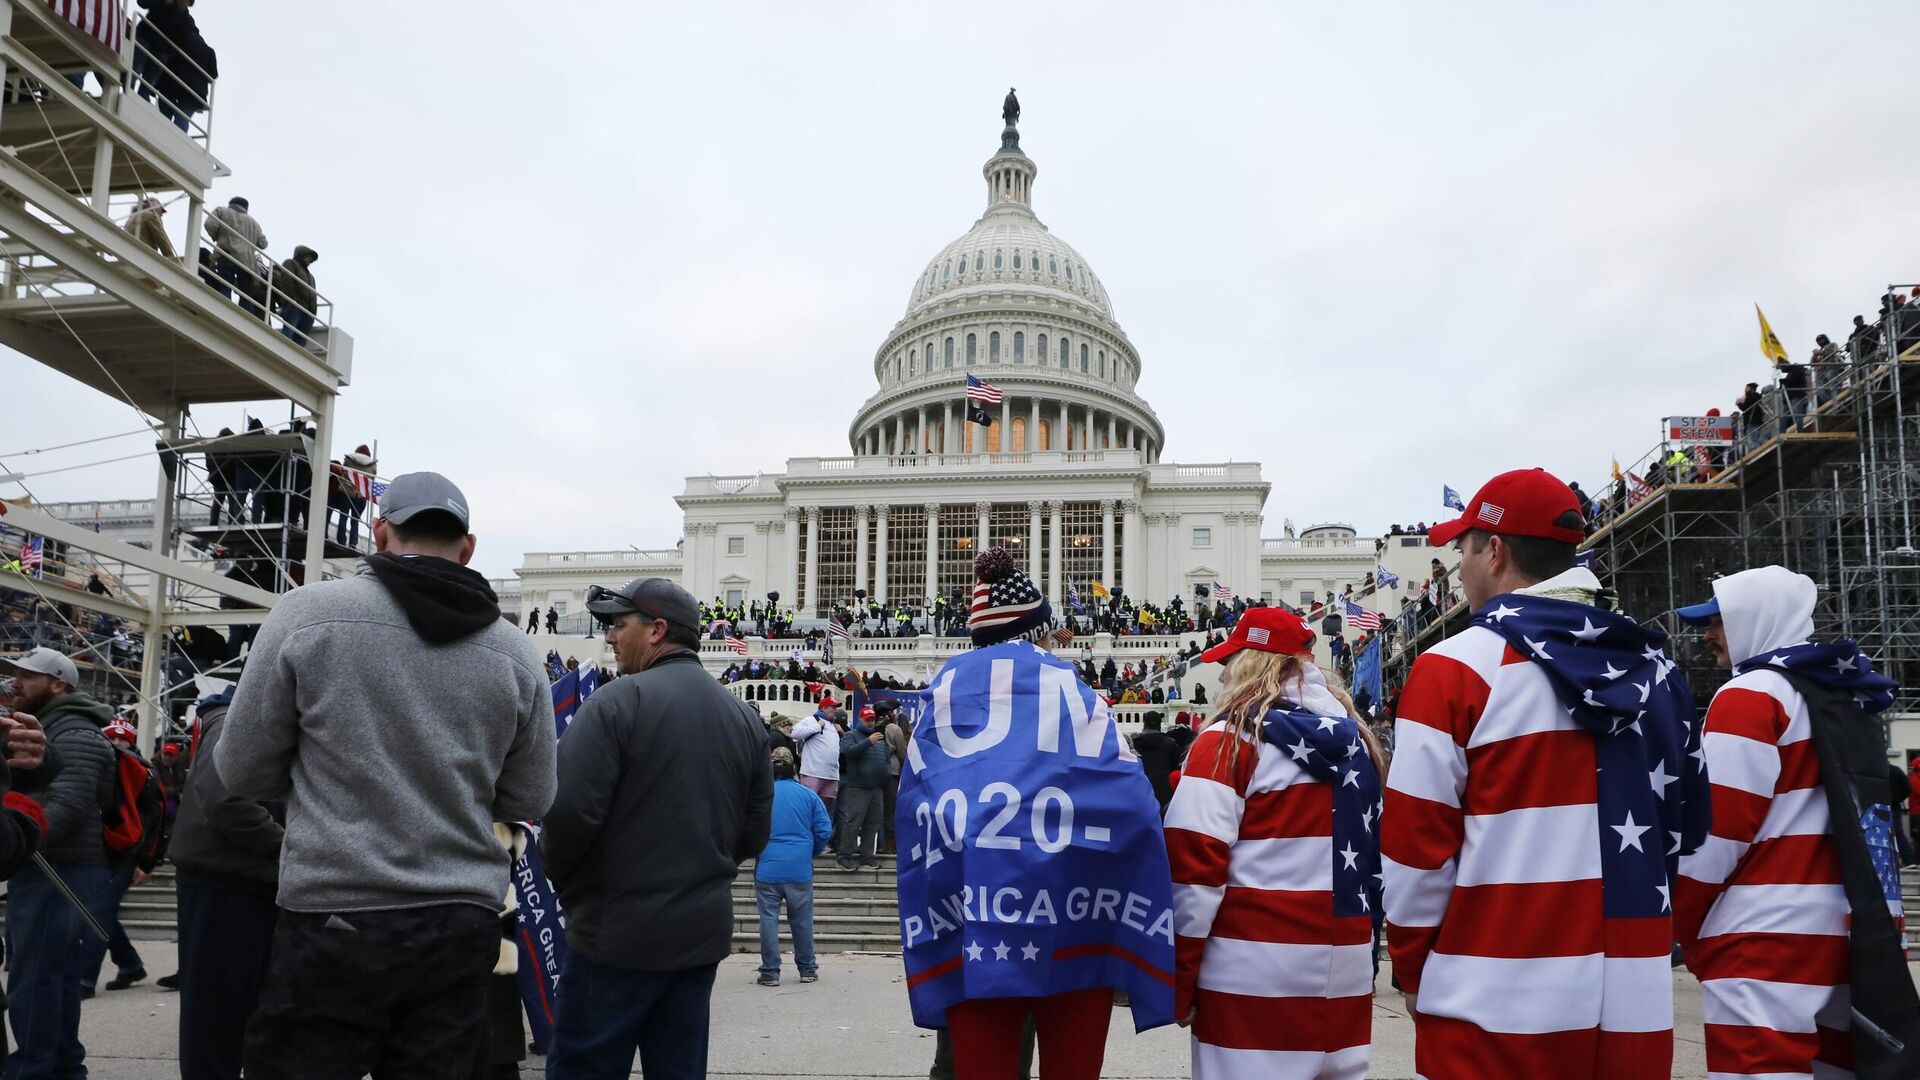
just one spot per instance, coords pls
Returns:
(1770, 346)
(1098, 590)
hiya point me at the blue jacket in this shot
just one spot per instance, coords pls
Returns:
(863, 762)
(801, 830)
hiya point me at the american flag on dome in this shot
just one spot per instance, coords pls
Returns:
(738, 645)
(1221, 592)
(982, 391)
(1362, 618)
(101, 20)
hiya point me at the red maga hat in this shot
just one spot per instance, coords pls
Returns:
(1524, 502)
(1268, 629)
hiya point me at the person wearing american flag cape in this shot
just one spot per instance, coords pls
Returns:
(1033, 873)
(1790, 914)
(1546, 779)
(1276, 862)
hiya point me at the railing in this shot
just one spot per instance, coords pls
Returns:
(819, 466)
(656, 558)
(1319, 545)
(155, 79)
(1244, 472)
(252, 280)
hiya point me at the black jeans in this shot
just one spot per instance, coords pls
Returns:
(397, 994)
(225, 936)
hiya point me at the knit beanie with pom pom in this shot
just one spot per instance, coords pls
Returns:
(1006, 604)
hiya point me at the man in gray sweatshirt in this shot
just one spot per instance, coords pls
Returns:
(399, 717)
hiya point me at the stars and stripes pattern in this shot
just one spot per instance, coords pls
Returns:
(737, 644)
(361, 482)
(33, 555)
(1003, 601)
(101, 20)
(982, 391)
(1361, 618)
(836, 629)
(377, 492)
(1221, 592)
(1546, 776)
(1275, 858)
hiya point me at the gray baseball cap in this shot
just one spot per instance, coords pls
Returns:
(653, 597)
(416, 492)
(44, 661)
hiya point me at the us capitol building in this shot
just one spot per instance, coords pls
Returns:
(1070, 476)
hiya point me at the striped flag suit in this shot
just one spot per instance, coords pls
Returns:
(1275, 876)
(1541, 788)
(1761, 910)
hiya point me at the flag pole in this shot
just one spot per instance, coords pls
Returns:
(46, 868)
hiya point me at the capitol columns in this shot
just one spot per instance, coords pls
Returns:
(812, 599)
(933, 551)
(880, 557)
(860, 524)
(1033, 538)
(949, 435)
(982, 511)
(1106, 543)
(1133, 553)
(1054, 590)
(789, 578)
(1033, 434)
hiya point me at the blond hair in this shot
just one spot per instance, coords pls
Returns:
(1256, 682)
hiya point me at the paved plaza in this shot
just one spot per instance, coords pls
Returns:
(852, 1023)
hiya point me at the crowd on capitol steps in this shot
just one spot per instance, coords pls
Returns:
(370, 857)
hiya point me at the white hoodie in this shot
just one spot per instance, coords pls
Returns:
(819, 741)
(1766, 608)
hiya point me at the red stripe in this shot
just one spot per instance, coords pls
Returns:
(1547, 768)
(1790, 860)
(539, 975)
(944, 967)
(1807, 959)
(1300, 918)
(1419, 832)
(1735, 1049)
(1197, 859)
(1799, 767)
(1750, 714)
(1503, 920)
(1076, 951)
(1737, 814)
(1301, 809)
(1449, 1049)
(1243, 1022)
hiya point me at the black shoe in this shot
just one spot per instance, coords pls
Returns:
(870, 864)
(86, 992)
(126, 978)
(168, 982)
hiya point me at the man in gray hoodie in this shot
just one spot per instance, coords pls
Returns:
(399, 717)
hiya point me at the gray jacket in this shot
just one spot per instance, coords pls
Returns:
(395, 756)
(83, 785)
(217, 833)
(667, 788)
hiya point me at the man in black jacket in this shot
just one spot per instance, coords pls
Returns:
(666, 787)
(226, 851)
(1159, 755)
(863, 792)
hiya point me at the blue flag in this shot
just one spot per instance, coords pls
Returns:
(540, 933)
(1366, 671)
(566, 700)
(1452, 499)
(1032, 861)
(589, 682)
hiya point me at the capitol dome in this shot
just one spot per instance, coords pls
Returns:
(1017, 307)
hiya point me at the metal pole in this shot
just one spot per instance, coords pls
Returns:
(46, 868)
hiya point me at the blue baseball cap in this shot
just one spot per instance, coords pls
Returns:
(1700, 614)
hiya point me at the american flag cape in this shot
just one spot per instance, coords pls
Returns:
(1031, 857)
(101, 20)
(1761, 911)
(1547, 777)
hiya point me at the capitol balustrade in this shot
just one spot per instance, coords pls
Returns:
(1319, 546)
(633, 558)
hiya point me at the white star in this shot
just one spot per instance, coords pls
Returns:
(1777, 660)
(1661, 670)
(1645, 688)
(1351, 778)
(1350, 855)
(1587, 696)
(1666, 900)
(1030, 952)
(1501, 612)
(1539, 650)
(1630, 833)
(1676, 841)
(1363, 901)
(1659, 778)
(1001, 951)
(974, 951)
(1300, 750)
(1613, 673)
(1843, 665)
(1328, 723)
(1699, 755)
(1653, 653)
(1589, 632)
(1366, 819)
(1353, 750)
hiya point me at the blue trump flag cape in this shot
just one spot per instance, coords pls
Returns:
(539, 923)
(1031, 857)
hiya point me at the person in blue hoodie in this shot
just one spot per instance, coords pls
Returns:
(784, 871)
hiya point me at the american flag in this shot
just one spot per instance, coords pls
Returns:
(835, 629)
(1362, 618)
(1221, 592)
(1073, 600)
(982, 391)
(101, 20)
(363, 482)
(738, 645)
(379, 489)
(32, 555)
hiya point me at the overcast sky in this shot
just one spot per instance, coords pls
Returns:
(586, 252)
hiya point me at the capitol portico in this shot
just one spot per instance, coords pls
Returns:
(1069, 476)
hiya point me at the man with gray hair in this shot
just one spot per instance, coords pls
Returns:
(399, 717)
(663, 752)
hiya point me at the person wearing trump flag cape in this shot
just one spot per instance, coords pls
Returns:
(1546, 780)
(1033, 874)
(1273, 839)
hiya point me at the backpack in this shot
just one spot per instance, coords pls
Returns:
(133, 823)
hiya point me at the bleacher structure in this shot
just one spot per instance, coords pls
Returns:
(1830, 492)
(86, 141)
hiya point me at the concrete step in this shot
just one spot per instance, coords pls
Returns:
(748, 941)
(852, 909)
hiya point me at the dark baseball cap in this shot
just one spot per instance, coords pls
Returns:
(418, 492)
(653, 598)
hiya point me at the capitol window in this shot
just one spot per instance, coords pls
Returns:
(1034, 261)
(1083, 358)
(929, 357)
(949, 272)
(1040, 353)
(1019, 347)
(1016, 260)
(997, 264)
(980, 260)
(973, 348)
(1203, 538)
(1103, 363)
(1063, 352)
(993, 347)
(949, 352)
(736, 545)
(1053, 266)
(896, 369)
